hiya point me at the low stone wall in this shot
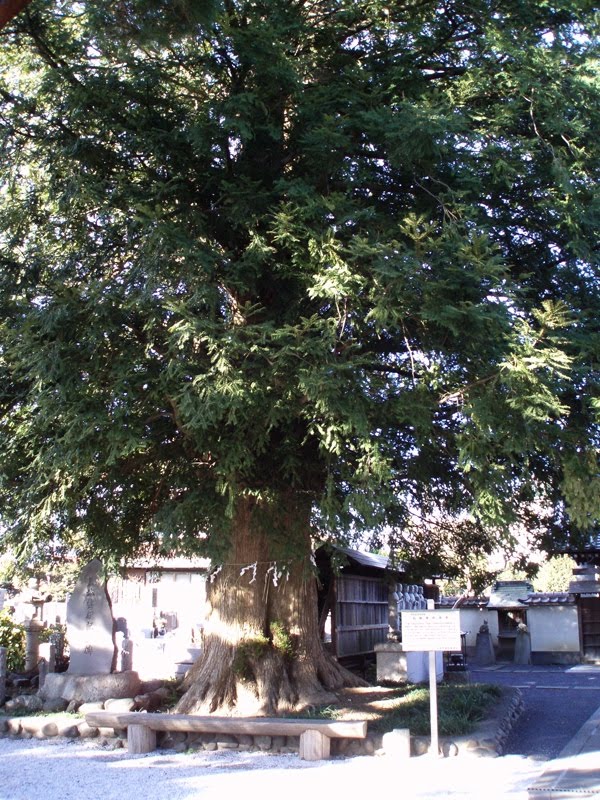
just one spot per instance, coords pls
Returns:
(487, 740)
(489, 736)
(72, 727)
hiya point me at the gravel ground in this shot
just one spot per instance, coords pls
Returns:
(58, 770)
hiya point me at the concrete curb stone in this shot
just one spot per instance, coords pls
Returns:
(487, 739)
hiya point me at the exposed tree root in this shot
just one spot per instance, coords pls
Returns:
(262, 652)
(267, 685)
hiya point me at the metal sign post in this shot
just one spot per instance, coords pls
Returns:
(432, 632)
(434, 747)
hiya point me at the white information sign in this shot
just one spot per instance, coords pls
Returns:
(431, 630)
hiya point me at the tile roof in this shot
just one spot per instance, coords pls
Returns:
(530, 599)
(508, 594)
(462, 602)
(548, 599)
(372, 560)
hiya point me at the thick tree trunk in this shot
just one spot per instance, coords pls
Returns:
(10, 9)
(262, 653)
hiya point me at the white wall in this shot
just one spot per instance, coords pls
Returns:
(471, 620)
(184, 594)
(55, 612)
(180, 593)
(553, 628)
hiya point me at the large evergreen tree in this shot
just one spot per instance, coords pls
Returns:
(274, 270)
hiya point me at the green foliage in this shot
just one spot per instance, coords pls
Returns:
(56, 571)
(12, 636)
(343, 251)
(253, 649)
(554, 575)
(455, 550)
(460, 707)
(282, 641)
(8, 571)
(321, 712)
(514, 574)
(46, 633)
(249, 651)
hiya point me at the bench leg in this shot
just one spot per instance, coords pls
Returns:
(140, 739)
(314, 746)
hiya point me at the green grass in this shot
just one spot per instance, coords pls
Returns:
(460, 708)
(26, 712)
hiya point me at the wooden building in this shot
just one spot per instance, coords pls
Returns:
(585, 587)
(354, 601)
(355, 595)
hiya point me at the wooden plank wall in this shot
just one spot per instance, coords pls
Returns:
(361, 617)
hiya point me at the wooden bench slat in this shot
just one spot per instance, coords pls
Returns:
(272, 726)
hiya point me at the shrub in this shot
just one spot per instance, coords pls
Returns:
(12, 636)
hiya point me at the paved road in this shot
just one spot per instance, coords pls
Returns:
(557, 701)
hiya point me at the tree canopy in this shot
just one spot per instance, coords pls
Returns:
(554, 575)
(336, 252)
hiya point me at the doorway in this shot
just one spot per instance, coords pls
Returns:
(589, 620)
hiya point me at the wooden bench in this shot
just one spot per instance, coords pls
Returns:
(315, 734)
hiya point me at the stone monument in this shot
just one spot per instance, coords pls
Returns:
(522, 645)
(91, 676)
(90, 624)
(484, 648)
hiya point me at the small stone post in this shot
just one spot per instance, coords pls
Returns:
(48, 654)
(397, 743)
(127, 655)
(57, 640)
(42, 672)
(32, 644)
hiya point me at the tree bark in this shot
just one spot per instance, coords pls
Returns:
(10, 9)
(262, 653)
